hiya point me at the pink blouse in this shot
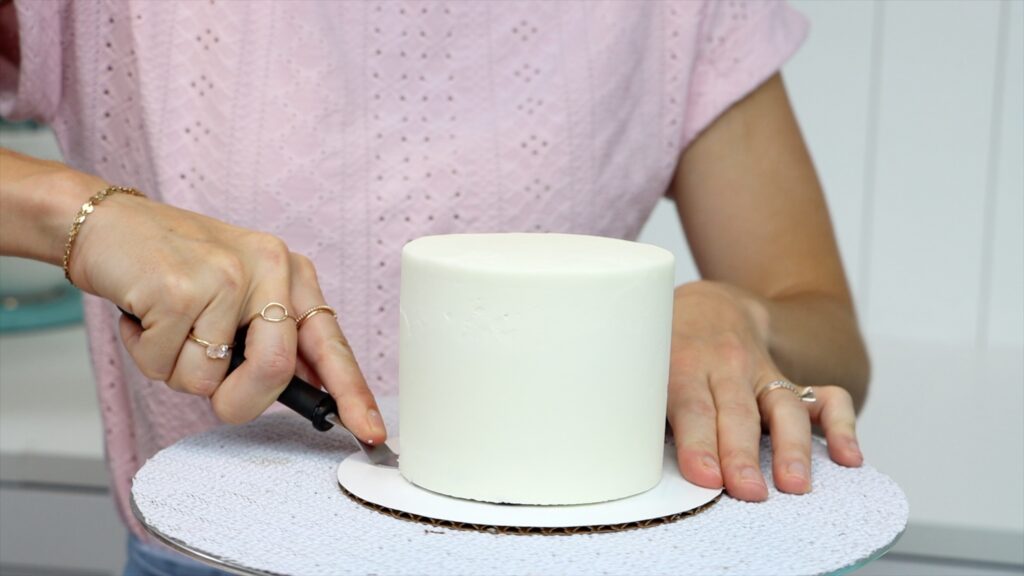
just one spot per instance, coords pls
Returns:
(348, 129)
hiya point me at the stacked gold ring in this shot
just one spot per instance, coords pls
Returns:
(313, 312)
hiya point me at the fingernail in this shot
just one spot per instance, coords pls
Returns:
(749, 474)
(854, 447)
(797, 469)
(709, 462)
(375, 421)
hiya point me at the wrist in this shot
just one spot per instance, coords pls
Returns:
(730, 301)
(70, 190)
(85, 238)
(758, 310)
(40, 200)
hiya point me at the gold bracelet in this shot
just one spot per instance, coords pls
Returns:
(84, 211)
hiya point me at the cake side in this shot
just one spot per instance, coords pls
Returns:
(529, 382)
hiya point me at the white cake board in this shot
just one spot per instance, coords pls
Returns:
(386, 488)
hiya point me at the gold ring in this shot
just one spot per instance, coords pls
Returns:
(804, 393)
(313, 312)
(275, 319)
(213, 351)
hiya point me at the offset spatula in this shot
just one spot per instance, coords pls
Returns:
(311, 402)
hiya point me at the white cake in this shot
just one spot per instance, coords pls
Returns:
(534, 367)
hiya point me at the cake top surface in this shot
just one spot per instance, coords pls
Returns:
(524, 252)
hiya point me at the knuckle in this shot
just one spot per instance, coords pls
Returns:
(733, 353)
(334, 346)
(276, 364)
(303, 268)
(197, 386)
(154, 372)
(176, 282)
(227, 415)
(686, 360)
(231, 270)
(338, 344)
(789, 450)
(737, 410)
(134, 298)
(834, 392)
(692, 448)
(271, 249)
(201, 386)
(179, 292)
(149, 365)
(738, 456)
(699, 407)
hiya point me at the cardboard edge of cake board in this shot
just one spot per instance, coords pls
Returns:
(528, 530)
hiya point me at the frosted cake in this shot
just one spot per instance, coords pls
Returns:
(533, 367)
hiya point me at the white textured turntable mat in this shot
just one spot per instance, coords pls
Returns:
(388, 488)
(265, 496)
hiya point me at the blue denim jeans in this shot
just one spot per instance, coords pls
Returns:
(147, 560)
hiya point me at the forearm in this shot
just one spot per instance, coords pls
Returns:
(39, 199)
(757, 221)
(814, 339)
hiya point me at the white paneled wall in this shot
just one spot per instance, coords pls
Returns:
(829, 82)
(914, 114)
(937, 75)
(1006, 284)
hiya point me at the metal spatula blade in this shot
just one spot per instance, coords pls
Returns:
(377, 454)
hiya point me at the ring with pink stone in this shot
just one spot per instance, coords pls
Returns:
(213, 351)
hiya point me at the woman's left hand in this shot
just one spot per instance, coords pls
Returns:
(720, 363)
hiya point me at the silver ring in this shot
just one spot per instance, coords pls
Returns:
(804, 393)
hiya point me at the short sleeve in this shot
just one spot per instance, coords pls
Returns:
(740, 45)
(30, 87)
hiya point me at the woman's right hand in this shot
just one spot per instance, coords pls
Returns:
(180, 272)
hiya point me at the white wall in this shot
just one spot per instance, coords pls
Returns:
(913, 112)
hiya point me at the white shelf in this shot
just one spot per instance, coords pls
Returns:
(50, 426)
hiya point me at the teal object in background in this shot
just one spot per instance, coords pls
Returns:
(62, 308)
(34, 295)
(26, 125)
